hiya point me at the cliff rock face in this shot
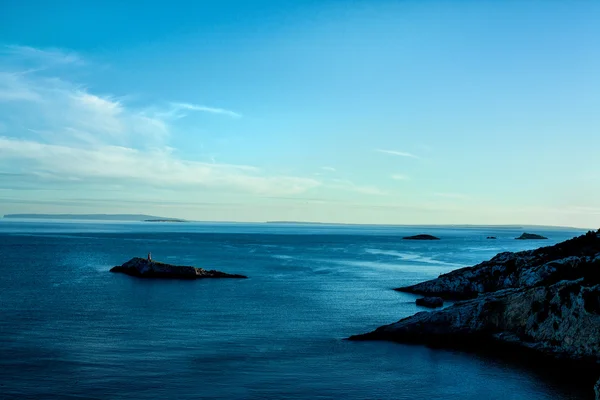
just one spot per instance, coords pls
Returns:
(562, 320)
(546, 301)
(143, 268)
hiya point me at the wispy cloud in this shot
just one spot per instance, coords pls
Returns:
(400, 177)
(397, 153)
(62, 132)
(50, 56)
(115, 164)
(329, 169)
(14, 88)
(451, 195)
(347, 185)
(178, 107)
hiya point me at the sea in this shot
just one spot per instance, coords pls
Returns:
(70, 329)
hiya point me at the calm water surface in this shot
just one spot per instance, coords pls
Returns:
(70, 329)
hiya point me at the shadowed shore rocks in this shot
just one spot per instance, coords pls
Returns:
(544, 303)
(143, 268)
(431, 302)
(421, 237)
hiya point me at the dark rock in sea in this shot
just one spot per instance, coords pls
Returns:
(491, 237)
(431, 302)
(144, 268)
(530, 236)
(421, 237)
(544, 302)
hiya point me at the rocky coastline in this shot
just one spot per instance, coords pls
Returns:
(144, 268)
(542, 303)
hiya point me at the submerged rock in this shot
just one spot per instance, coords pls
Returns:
(545, 302)
(145, 268)
(421, 237)
(431, 302)
(526, 236)
(491, 237)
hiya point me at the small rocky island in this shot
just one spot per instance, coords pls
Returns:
(542, 304)
(421, 237)
(530, 236)
(146, 268)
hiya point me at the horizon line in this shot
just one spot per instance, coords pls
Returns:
(44, 216)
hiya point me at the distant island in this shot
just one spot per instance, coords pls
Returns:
(458, 226)
(421, 237)
(148, 268)
(165, 220)
(530, 236)
(96, 217)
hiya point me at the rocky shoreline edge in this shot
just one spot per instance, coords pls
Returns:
(542, 304)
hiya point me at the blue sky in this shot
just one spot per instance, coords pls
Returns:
(434, 112)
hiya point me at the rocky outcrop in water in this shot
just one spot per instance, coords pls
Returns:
(530, 236)
(143, 268)
(421, 237)
(431, 302)
(544, 302)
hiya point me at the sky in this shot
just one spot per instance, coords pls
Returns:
(383, 112)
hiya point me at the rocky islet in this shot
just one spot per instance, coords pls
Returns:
(145, 268)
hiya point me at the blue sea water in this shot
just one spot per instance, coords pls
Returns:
(69, 329)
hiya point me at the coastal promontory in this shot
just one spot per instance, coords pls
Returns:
(144, 268)
(543, 303)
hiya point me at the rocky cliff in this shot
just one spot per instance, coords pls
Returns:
(144, 268)
(569, 260)
(544, 302)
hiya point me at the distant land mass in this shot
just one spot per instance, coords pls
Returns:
(458, 226)
(165, 220)
(96, 217)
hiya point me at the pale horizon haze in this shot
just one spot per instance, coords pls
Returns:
(377, 112)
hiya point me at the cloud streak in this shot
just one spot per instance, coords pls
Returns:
(448, 195)
(47, 57)
(397, 153)
(159, 168)
(347, 185)
(59, 134)
(178, 107)
(63, 134)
